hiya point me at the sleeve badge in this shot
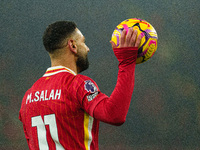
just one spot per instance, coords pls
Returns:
(90, 86)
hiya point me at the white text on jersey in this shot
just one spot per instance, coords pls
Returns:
(43, 95)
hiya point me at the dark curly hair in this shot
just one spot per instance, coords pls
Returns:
(56, 33)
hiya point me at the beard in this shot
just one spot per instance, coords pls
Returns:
(82, 62)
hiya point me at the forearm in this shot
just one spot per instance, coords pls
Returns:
(113, 110)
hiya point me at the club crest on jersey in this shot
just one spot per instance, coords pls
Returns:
(90, 87)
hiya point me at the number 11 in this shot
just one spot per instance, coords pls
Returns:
(41, 131)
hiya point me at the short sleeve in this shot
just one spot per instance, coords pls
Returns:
(86, 92)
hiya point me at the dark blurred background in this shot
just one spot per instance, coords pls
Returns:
(165, 108)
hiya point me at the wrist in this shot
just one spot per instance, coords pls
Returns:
(126, 53)
(126, 48)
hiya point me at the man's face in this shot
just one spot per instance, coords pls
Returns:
(82, 51)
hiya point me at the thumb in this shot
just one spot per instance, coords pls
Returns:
(113, 44)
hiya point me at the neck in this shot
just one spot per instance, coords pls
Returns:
(62, 61)
(73, 68)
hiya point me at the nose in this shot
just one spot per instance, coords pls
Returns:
(88, 49)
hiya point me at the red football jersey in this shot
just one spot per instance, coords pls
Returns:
(56, 111)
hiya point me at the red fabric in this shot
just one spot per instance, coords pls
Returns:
(113, 110)
(69, 106)
(64, 101)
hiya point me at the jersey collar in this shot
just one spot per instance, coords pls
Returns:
(57, 69)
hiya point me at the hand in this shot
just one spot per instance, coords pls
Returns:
(129, 40)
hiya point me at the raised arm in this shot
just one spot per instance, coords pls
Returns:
(113, 109)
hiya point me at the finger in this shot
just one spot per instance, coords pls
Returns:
(133, 38)
(128, 37)
(122, 39)
(113, 44)
(137, 43)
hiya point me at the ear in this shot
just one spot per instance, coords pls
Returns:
(72, 46)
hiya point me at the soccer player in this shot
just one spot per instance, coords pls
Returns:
(62, 109)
